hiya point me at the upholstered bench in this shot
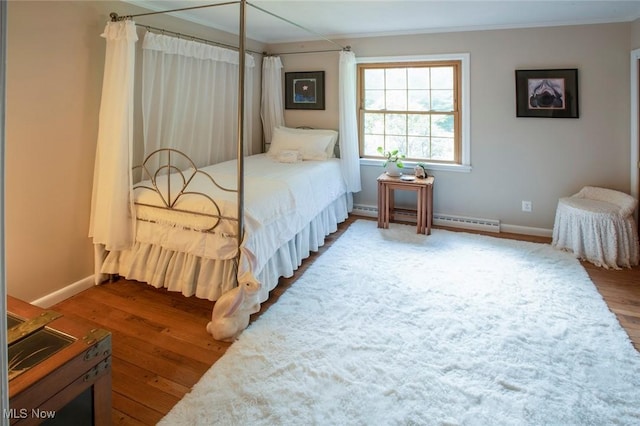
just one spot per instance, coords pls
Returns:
(597, 225)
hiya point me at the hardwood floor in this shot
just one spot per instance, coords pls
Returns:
(161, 348)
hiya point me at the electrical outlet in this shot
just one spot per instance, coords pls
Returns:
(526, 206)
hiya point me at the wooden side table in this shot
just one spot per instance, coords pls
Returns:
(424, 189)
(54, 360)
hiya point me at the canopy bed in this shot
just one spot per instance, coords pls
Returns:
(201, 223)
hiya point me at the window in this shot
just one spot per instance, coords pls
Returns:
(414, 106)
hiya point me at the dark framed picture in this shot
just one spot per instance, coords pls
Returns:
(304, 90)
(551, 93)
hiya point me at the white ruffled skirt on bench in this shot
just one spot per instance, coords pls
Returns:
(597, 225)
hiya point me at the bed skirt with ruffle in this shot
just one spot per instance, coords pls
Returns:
(209, 278)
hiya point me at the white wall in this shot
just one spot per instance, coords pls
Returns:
(513, 159)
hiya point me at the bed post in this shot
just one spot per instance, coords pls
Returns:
(241, 72)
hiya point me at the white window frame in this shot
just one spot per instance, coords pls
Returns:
(465, 110)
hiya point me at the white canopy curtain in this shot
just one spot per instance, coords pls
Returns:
(112, 222)
(271, 108)
(348, 127)
(185, 84)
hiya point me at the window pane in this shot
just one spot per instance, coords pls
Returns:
(442, 149)
(374, 79)
(418, 147)
(396, 78)
(374, 99)
(396, 142)
(442, 78)
(396, 124)
(442, 125)
(396, 100)
(418, 78)
(418, 124)
(442, 100)
(418, 100)
(374, 123)
(371, 144)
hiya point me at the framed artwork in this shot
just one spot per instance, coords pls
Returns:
(304, 90)
(551, 93)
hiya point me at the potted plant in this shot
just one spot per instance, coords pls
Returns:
(393, 161)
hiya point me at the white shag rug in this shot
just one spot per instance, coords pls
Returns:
(389, 327)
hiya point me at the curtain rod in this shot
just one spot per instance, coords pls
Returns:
(114, 18)
(344, 49)
(124, 17)
(295, 25)
(187, 36)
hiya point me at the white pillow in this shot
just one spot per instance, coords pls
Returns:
(289, 156)
(332, 133)
(312, 146)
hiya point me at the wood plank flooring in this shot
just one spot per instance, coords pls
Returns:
(161, 348)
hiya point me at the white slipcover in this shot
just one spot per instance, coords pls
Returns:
(597, 225)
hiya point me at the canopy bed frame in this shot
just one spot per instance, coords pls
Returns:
(278, 211)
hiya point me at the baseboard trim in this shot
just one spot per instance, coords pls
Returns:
(443, 219)
(64, 293)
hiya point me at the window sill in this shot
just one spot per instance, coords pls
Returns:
(409, 165)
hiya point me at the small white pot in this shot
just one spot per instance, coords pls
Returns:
(392, 169)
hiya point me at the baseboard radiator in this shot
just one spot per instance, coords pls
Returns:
(439, 219)
(490, 225)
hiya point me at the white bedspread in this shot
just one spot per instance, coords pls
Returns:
(280, 199)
